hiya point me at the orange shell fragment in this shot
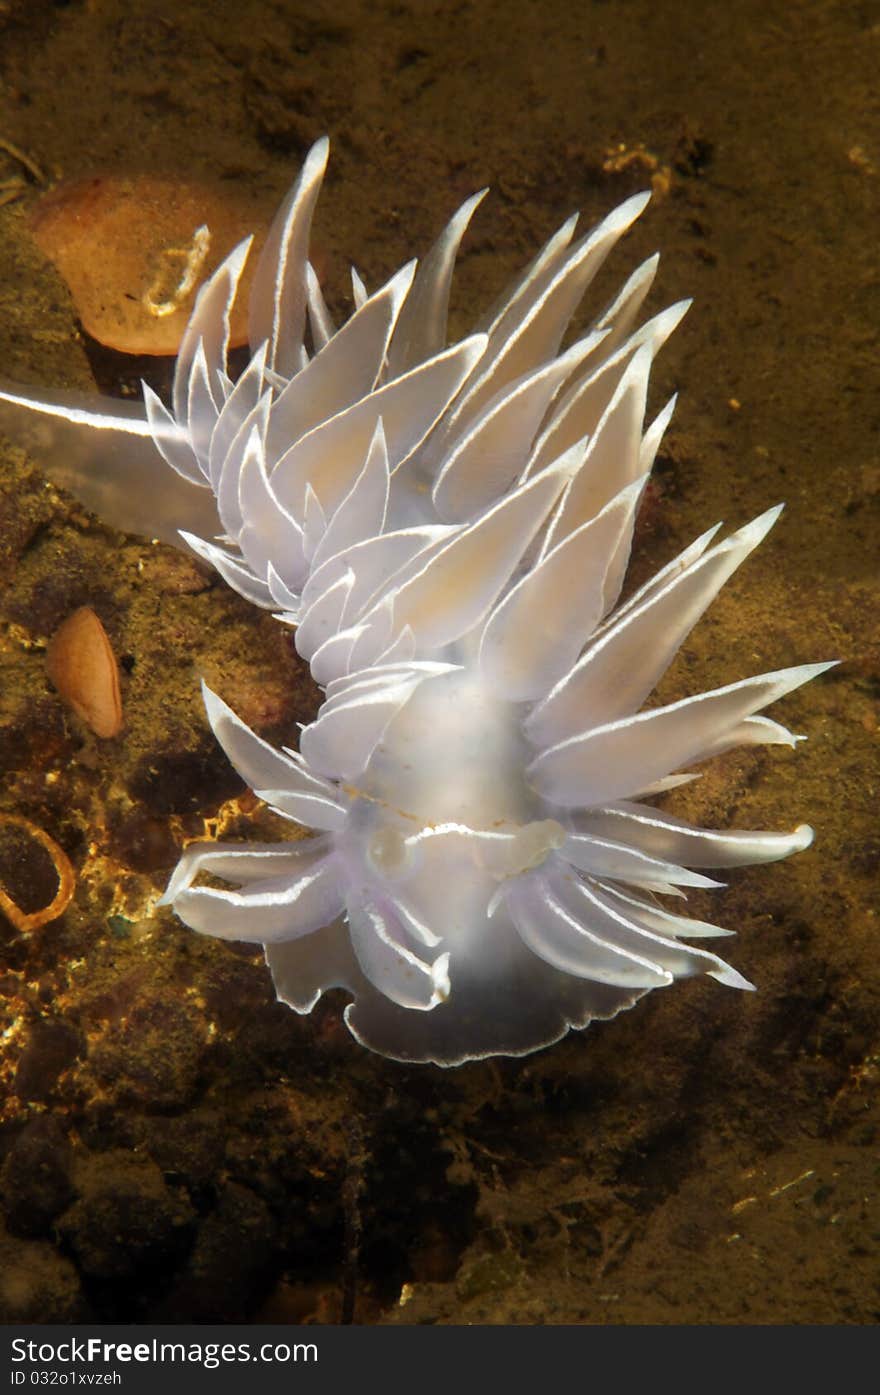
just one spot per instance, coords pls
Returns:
(81, 664)
(25, 921)
(134, 252)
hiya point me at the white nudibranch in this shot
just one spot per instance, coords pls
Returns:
(448, 530)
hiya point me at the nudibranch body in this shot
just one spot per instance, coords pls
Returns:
(448, 530)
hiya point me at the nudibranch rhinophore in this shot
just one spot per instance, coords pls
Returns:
(448, 530)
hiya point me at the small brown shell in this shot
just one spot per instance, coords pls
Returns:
(82, 665)
(134, 251)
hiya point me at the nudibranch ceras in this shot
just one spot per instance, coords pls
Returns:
(448, 528)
